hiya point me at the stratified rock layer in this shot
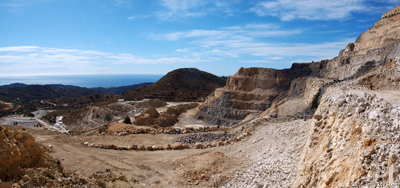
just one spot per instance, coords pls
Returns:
(250, 90)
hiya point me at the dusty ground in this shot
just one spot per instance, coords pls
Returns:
(209, 167)
(150, 168)
(269, 157)
(291, 107)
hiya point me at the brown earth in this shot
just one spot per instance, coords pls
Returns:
(165, 168)
(188, 84)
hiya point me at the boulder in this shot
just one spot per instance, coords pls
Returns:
(177, 146)
(150, 148)
(141, 147)
(145, 119)
(168, 146)
(199, 146)
(134, 147)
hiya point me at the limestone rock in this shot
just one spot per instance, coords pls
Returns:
(368, 151)
(177, 146)
(19, 149)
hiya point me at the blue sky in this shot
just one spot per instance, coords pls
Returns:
(47, 37)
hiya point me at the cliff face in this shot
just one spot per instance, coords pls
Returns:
(250, 90)
(354, 142)
(253, 90)
(19, 150)
(379, 43)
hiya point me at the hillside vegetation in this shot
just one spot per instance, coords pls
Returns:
(188, 84)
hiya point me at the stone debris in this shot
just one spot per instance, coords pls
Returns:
(207, 137)
(276, 158)
(362, 135)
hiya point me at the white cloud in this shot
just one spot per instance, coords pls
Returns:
(257, 61)
(11, 5)
(132, 59)
(277, 58)
(19, 49)
(252, 40)
(288, 10)
(138, 17)
(182, 9)
(182, 50)
(237, 33)
(41, 60)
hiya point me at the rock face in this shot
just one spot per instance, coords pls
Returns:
(251, 90)
(19, 149)
(354, 141)
(379, 43)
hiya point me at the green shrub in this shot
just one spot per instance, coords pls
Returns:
(107, 117)
(127, 120)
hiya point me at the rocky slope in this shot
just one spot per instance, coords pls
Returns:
(26, 164)
(19, 149)
(188, 84)
(252, 90)
(353, 140)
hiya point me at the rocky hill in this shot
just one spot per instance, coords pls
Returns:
(188, 84)
(122, 89)
(353, 139)
(254, 90)
(251, 90)
(27, 93)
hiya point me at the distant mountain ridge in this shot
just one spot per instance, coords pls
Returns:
(94, 90)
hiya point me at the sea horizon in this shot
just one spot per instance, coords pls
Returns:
(88, 81)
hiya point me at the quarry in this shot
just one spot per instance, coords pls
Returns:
(333, 123)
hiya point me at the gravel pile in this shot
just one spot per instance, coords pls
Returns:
(275, 149)
(207, 137)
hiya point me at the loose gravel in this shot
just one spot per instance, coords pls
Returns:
(202, 138)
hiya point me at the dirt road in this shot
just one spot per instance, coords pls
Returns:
(150, 168)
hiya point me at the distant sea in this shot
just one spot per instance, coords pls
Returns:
(82, 80)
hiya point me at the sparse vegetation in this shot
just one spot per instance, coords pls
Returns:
(70, 115)
(107, 117)
(127, 120)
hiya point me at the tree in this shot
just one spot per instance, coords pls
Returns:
(127, 120)
(107, 117)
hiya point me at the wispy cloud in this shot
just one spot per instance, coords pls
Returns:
(244, 33)
(11, 5)
(132, 59)
(250, 40)
(138, 17)
(288, 10)
(182, 50)
(257, 61)
(182, 9)
(35, 59)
